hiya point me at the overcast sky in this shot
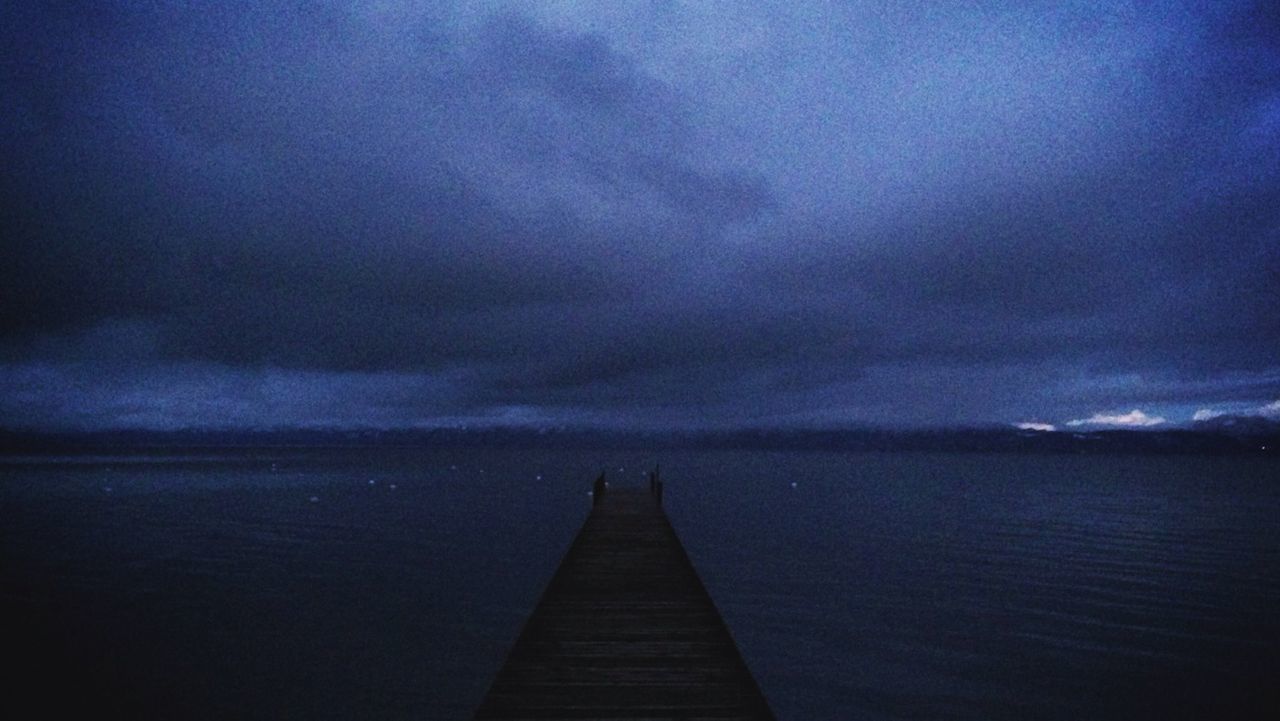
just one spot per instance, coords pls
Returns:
(659, 214)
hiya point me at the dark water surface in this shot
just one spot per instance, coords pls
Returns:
(303, 585)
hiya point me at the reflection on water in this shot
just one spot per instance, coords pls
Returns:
(389, 584)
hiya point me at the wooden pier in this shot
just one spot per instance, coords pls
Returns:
(625, 630)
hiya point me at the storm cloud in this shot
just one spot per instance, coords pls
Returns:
(637, 214)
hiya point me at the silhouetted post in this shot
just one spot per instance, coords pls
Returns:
(597, 490)
(657, 488)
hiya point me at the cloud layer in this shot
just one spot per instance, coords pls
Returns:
(416, 213)
(1270, 410)
(1133, 419)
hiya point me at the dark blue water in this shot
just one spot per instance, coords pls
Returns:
(288, 585)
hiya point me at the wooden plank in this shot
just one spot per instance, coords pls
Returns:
(625, 630)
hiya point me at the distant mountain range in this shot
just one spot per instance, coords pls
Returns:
(1221, 435)
(1239, 425)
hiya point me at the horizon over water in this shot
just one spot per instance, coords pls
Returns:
(390, 583)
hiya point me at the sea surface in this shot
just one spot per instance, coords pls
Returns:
(390, 583)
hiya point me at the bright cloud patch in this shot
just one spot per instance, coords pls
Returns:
(1270, 410)
(1031, 426)
(1133, 419)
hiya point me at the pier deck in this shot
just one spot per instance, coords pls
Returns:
(625, 630)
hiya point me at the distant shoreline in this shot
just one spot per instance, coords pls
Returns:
(1253, 440)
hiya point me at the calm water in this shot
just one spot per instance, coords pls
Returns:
(390, 584)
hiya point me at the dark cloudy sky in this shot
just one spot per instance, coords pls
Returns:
(655, 214)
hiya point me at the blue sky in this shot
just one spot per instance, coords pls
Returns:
(638, 214)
